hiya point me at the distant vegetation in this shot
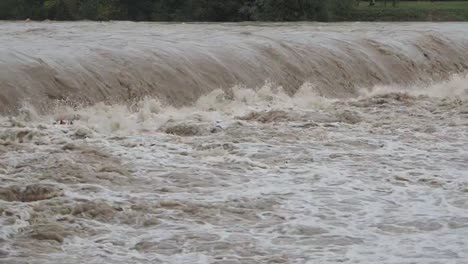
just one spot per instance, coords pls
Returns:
(175, 10)
(233, 10)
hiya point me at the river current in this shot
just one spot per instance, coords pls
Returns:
(233, 143)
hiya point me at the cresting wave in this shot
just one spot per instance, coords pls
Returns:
(219, 106)
(88, 62)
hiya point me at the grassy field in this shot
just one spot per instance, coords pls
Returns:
(411, 11)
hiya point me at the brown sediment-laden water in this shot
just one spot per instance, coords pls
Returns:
(233, 143)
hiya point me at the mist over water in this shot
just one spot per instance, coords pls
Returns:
(233, 143)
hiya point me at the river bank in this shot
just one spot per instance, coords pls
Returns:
(410, 11)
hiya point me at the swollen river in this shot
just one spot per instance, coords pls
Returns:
(233, 143)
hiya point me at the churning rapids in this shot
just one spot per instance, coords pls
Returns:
(233, 143)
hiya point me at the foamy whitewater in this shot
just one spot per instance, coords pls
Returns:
(233, 143)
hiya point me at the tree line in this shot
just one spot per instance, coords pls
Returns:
(176, 10)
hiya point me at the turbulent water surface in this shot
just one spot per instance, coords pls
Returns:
(233, 143)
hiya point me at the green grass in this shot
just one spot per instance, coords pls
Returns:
(411, 11)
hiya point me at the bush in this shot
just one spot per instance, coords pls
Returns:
(176, 10)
